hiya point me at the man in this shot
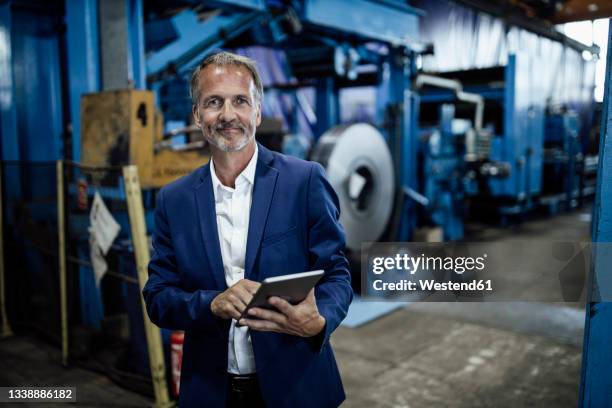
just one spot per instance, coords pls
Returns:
(247, 215)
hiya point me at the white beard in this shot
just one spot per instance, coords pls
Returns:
(223, 144)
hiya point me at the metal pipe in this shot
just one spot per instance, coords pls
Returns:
(167, 144)
(478, 100)
(454, 85)
(424, 79)
(180, 131)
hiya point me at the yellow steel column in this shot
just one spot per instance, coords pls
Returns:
(61, 249)
(141, 252)
(6, 328)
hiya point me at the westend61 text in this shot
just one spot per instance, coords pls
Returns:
(432, 285)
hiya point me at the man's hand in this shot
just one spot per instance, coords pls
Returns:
(230, 303)
(301, 320)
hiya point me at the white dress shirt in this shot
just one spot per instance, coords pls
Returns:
(233, 207)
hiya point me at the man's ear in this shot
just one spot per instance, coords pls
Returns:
(196, 116)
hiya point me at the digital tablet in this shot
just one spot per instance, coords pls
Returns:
(293, 288)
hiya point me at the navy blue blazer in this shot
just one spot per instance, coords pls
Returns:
(293, 228)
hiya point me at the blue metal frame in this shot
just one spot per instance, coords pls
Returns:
(259, 5)
(196, 39)
(327, 106)
(596, 381)
(35, 47)
(394, 23)
(442, 95)
(83, 60)
(8, 111)
(136, 49)
(395, 90)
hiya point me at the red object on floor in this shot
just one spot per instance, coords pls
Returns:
(176, 359)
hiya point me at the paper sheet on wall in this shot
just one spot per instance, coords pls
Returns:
(103, 225)
(97, 259)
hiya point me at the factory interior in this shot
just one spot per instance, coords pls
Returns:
(436, 121)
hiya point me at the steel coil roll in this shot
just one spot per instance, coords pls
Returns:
(359, 166)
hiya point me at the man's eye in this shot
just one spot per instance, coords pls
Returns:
(213, 103)
(242, 101)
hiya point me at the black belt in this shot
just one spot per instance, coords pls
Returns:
(243, 382)
(244, 391)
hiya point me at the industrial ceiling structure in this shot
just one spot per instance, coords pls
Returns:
(551, 11)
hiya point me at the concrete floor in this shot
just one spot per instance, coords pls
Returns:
(29, 361)
(422, 355)
(471, 354)
(416, 359)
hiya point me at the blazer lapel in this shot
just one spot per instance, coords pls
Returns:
(207, 215)
(263, 191)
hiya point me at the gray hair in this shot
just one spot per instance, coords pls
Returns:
(220, 59)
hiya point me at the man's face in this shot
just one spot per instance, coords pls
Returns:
(227, 111)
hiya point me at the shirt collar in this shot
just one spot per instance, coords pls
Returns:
(248, 174)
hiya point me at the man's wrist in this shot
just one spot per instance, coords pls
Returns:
(317, 341)
(320, 325)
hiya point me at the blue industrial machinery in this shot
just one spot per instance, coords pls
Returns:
(568, 170)
(510, 175)
(562, 157)
(443, 173)
(452, 151)
(534, 155)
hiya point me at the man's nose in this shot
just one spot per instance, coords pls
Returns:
(227, 112)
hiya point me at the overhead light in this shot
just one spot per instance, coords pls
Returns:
(593, 7)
